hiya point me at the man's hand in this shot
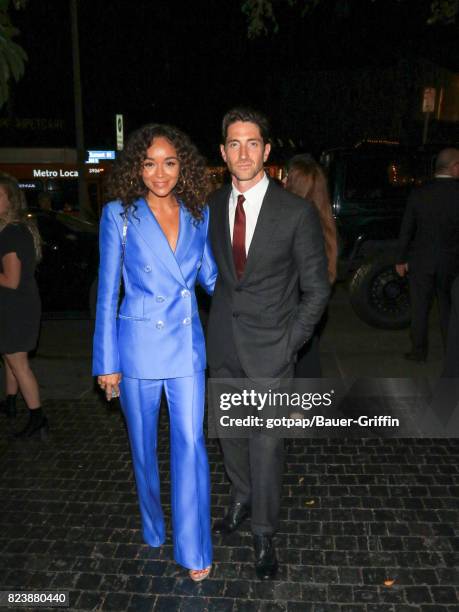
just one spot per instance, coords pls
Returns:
(401, 269)
(110, 383)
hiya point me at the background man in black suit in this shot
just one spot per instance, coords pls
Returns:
(271, 290)
(429, 248)
(451, 363)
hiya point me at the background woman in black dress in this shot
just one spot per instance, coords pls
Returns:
(307, 179)
(19, 304)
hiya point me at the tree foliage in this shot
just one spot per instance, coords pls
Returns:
(261, 14)
(444, 11)
(12, 55)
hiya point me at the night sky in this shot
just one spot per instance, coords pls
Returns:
(187, 63)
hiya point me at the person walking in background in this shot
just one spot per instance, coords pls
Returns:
(271, 290)
(451, 362)
(306, 178)
(155, 235)
(428, 248)
(445, 394)
(20, 308)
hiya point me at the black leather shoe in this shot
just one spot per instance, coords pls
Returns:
(236, 514)
(416, 356)
(34, 426)
(265, 557)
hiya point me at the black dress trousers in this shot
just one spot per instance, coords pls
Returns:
(254, 465)
(451, 365)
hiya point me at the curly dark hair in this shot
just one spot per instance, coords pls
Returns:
(125, 182)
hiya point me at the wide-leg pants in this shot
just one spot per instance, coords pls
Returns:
(190, 480)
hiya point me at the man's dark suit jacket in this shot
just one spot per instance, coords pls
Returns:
(271, 311)
(429, 234)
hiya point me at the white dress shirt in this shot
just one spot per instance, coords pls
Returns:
(252, 206)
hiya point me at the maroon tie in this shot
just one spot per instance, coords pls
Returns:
(239, 254)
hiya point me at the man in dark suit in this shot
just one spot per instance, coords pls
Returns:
(451, 363)
(429, 248)
(271, 290)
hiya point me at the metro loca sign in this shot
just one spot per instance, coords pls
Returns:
(55, 173)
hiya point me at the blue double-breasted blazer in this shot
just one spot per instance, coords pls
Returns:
(157, 333)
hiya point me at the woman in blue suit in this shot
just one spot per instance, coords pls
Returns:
(155, 235)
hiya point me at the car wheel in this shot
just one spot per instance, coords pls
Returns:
(379, 296)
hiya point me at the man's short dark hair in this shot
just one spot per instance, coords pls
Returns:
(241, 113)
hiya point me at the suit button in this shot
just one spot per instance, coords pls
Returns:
(160, 298)
(147, 268)
(159, 324)
(238, 289)
(186, 321)
(235, 315)
(185, 293)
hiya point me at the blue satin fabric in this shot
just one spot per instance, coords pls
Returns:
(190, 482)
(158, 333)
(157, 342)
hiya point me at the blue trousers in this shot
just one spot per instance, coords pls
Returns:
(190, 480)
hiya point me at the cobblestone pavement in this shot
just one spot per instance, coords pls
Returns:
(367, 525)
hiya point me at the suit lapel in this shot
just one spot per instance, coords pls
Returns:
(266, 223)
(144, 223)
(186, 235)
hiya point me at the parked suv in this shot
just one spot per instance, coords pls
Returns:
(369, 186)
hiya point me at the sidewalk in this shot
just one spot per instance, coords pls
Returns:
(366, 525)
(355, 514)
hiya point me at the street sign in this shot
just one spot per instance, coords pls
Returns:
(95, 156)
(119, 133)
(102, 154)
(428, 100)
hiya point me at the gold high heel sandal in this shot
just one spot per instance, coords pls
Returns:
(198, 575)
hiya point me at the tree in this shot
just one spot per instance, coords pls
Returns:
(12, 55)
(262, 17)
